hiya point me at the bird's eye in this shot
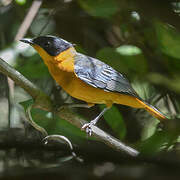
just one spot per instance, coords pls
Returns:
(47, 44)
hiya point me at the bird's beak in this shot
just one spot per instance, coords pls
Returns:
(27, 40)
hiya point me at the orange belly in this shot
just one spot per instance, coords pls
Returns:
(85, 92)
(80, 90)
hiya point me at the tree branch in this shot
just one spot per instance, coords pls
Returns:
(43, 101)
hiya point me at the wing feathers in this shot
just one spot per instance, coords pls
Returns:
(100, 75)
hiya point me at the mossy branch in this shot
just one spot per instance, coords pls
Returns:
(42, 101)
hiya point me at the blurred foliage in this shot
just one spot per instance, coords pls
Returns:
(169, 39)
(99, 8)
(141, 39)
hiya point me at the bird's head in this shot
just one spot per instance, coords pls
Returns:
(51, 48)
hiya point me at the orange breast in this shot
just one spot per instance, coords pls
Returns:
(80, 90)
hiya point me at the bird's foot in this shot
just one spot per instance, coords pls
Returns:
(88, 127)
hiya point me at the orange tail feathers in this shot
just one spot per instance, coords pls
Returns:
(153, 111)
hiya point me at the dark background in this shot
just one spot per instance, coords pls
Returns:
(139, 38)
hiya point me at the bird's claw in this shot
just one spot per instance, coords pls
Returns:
(88, 127)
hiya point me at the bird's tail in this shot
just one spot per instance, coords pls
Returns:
(153, 111)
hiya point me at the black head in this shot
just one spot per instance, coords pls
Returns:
(51, 44)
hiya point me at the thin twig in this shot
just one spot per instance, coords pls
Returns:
(51, 13)
(9, 97)
(60, 139)
(43, 102)
(20, 34)
(28, 19)
(36, 126)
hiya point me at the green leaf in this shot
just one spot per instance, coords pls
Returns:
(128, 50)
(99, 8)
(157, 142)
(21, 2)
(115, 120)
(154, 144)
(26, 104)
(54, 125)
(169, 40)
(67, 129)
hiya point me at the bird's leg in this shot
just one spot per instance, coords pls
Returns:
(87, 126)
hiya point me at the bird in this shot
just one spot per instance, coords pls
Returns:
(87, 78)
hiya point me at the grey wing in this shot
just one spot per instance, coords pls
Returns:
(100, 75)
